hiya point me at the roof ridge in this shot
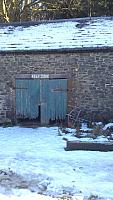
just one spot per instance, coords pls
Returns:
(31, 23)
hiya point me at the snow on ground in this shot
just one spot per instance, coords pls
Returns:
(27, 197)
(38, 158)
(109, 125)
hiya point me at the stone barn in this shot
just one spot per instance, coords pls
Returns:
(51, 69)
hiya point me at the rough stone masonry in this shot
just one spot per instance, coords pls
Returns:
(89, 74)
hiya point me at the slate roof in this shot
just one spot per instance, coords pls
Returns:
(57, 35)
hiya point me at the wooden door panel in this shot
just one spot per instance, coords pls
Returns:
(49, 95)
(27, 98)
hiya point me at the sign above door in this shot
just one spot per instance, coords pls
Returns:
(41, 76)
(37, 76)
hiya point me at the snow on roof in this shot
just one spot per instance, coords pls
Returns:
(60, 34)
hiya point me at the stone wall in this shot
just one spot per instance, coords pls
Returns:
(90, 75)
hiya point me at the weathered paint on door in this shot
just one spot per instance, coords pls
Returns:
(27, 98)
(49, 95)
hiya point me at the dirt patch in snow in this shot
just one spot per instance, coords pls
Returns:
(11, 180)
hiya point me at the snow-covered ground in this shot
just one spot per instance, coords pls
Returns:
(36, 159)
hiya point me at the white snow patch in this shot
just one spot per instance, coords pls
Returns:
(84, 127)
(26, 197)
(108, 126)
(38, 154)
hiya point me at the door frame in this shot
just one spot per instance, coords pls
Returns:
(39, 77)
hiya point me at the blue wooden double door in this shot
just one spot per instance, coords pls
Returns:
(43, 100)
